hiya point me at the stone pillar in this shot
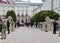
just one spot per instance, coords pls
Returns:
(47, 23)
(34, 24)
(43, 26)
(59, 31)
(38, 24)
(59, 25)
(59, 28)
(51, 26)
(13, 25)
(46, 27)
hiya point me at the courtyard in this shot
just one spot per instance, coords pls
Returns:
(34, 18)
(31, 35)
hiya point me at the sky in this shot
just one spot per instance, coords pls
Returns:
(35, 1)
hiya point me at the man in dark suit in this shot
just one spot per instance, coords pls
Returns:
(0, 25)
(54, 27)
(8, 25)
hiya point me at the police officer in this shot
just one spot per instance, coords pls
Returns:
(3, 33)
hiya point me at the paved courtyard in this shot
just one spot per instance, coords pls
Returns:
(31, 35)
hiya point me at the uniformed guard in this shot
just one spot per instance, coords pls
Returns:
(3, 30)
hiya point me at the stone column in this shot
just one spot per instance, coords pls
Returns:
(59, 31)
(38, 24)
(43, 26)
(47, 23)
(46, 27)
(59, 28)
(34, 24)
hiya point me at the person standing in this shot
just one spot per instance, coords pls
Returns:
(3, 33)
(8, 25)
(0, 25)
(18, 23)
(36, 24)
(54, 27)
(31, 24)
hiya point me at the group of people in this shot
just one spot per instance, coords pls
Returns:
(22, 24)
(4, 25)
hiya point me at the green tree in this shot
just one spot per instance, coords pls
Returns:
(40, 16)
(12, 14)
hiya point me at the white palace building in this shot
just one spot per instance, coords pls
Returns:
(23, 9)
(49, 5)
(19, 6)
(26, 8)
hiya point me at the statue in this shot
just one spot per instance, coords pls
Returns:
(47, 23)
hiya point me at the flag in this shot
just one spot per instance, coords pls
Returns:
(4, 1)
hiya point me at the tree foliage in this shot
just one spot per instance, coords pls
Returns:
(40, 16)
(12, 14)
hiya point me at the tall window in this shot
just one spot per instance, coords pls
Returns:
(18, 14)
(26, 14)
(22, 9)
(22, 14)
(26, 21)
(26, 9)
(22, 21)
(18, 9)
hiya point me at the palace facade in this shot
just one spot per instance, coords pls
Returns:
(24, 9)
(49, 5)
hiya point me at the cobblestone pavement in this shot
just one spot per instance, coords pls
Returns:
(30, 35)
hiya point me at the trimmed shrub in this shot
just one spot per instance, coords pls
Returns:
(40, 16)
(12, 14)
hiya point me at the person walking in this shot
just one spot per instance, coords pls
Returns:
(3, 33)
(8, 25)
